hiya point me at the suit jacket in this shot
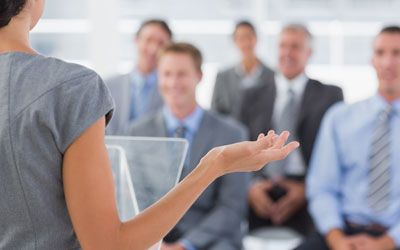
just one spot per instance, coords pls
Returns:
(120, 88)
(219, 211)
(228, 93)
(258, 107)
(257, 114)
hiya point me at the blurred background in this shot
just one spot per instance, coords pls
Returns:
(104, 31)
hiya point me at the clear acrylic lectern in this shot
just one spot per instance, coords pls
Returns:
(144, 170)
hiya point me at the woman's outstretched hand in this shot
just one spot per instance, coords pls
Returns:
(250, 156)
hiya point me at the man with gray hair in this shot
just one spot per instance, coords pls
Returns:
(290, 101)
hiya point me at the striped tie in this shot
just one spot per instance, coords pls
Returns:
(380, 161)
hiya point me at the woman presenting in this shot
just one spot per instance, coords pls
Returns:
(56, 186)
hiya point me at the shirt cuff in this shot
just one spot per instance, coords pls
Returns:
(187, 244)
(329, 224)
(326, 219)
(394, 233)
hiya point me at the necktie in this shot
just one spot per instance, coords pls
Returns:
(380, 162)
(180, 131)
(286, 121)
(288, 117)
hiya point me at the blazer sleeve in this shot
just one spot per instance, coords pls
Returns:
(224, 221)
(243, 114)
(217, 103)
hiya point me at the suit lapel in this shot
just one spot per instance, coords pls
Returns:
(155, 99)
(266, 106)
(266, 77)
(234, 86)
(126, 96)
(201, 140)
(307, 102)
(160, 129)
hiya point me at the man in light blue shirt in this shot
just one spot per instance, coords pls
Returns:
(353, 185)
(136, 93)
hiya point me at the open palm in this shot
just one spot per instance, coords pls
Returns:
(251, 156)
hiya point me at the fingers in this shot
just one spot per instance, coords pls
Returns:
(290, 147)
(264, 142)
(277, 141)
(281, 140)
(259, 201)
(262, 209)
(283, 210)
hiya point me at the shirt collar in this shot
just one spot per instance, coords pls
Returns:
(254, 73)
(139, 79)
(297, 84)
(191, 122)
(378, 103)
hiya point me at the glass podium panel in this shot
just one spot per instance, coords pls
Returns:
(144, 170)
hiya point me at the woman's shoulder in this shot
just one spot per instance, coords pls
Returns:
(50, 69)
(36, 77)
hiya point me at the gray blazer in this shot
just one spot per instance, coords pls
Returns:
(228, 94)
(215, 218)
(120, 88)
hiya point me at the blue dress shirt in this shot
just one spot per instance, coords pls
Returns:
(192, 124)
(337, 183)
(141, 89)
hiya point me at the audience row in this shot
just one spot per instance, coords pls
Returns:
(339, 190)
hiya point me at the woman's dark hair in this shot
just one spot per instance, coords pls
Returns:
(245, 23)
(9, 9)
(163, 24)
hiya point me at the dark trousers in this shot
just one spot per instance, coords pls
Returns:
(317, 241)
(300, 222)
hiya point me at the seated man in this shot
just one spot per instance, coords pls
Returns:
(295, 102)
(214, 220)
(353, 183)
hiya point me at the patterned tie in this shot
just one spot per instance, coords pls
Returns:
(380, 162)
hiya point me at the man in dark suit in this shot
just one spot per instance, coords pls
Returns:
(214, 221)
(231, 83)
(294, 102)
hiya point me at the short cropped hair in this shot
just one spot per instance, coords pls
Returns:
(184, 48)
(163, 24)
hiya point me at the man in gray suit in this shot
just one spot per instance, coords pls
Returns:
(214, 221)
(291, 101)
(136, 93)
(231, 82)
